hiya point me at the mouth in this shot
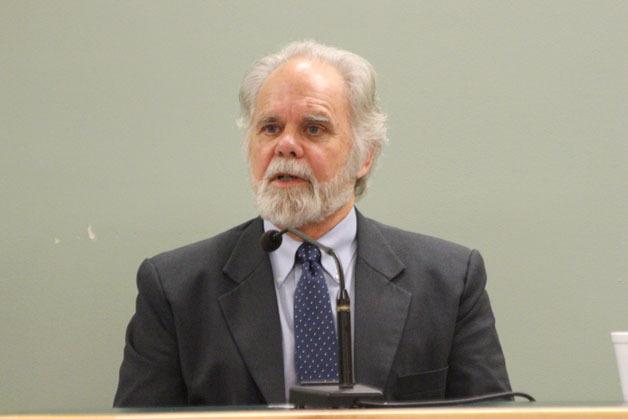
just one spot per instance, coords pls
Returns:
(286, 179)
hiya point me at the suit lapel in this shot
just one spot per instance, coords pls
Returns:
(250, 310)
(251, 313)
(381, 306)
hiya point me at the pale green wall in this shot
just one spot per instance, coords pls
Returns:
(508, 127)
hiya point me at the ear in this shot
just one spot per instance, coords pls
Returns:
(366, 165)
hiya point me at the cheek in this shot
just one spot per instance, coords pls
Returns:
(328, 164)
(322, 169)
(259, 159)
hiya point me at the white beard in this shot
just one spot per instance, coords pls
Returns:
(308, 203)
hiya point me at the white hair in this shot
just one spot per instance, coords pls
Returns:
(368, 122)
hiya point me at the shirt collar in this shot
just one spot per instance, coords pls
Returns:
(341, 238)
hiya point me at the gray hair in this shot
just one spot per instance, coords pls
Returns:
(368, 122)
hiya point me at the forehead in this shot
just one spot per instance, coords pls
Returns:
(303, 84)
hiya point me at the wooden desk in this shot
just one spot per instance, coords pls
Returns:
(531, 411)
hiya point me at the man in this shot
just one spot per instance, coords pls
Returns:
(215, 321)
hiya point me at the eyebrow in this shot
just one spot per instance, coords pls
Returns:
(317, 118)
(267, 120)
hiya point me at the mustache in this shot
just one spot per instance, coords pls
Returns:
(288, 167)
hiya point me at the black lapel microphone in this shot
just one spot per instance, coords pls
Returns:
(270, 241)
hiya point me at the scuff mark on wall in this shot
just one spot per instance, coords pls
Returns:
(57, 240)
(90, 233)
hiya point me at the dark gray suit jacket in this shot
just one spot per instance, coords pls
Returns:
(206, 328)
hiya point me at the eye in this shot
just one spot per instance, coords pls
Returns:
(313, 130)
(270, 129)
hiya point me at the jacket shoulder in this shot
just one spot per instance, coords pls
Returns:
(206, 257)
(408, 244)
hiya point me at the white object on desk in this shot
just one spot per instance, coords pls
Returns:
(620, 342)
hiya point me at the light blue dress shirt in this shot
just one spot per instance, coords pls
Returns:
(342, 238)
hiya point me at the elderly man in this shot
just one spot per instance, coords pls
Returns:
(217, 322)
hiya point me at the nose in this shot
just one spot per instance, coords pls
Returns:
(288, 146)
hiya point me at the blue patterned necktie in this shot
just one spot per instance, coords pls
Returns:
(316, 355)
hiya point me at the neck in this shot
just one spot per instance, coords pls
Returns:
(316, 230)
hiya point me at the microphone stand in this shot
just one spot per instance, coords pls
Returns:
(346, 393)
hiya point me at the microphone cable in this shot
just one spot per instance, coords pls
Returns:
(443, 403)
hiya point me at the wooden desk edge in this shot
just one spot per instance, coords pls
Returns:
(423, 413)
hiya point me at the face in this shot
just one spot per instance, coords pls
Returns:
(300, 145)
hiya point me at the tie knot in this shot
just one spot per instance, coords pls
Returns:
(308, 253)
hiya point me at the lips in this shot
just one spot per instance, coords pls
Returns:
(288, 173)
(285, 177)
